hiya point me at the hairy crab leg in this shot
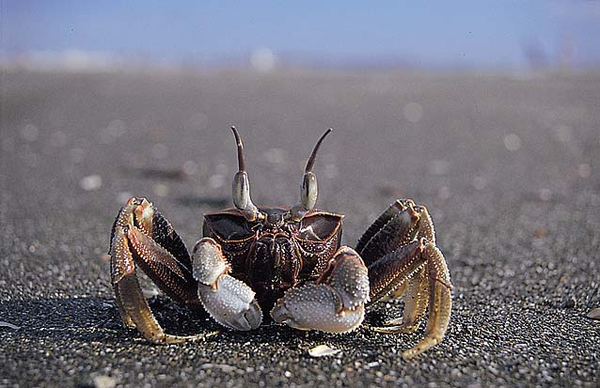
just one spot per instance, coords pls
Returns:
(416, 299)
(440, 304)
(132, 244)
(395, 227)
(229, 301)
(411, 263)
(394, 269)
(415, 289)
(334, 304)
(426, 229)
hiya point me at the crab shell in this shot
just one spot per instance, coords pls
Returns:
(274, 255)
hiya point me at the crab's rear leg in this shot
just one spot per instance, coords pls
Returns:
(421, 265)
(403, 259)
(334, 304)
(143, 237)
(416, 292)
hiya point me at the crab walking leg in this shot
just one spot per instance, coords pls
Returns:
(157, 249)
(440, 304)
(416, 288)
(408, 264)
(394, 269)
(123, 267)
(133, 307)
(142, 237)
(394, 228)
(415, 304)
(427, 229)
(229, 301)
(334, 304)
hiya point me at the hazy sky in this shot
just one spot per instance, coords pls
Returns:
(436, 33)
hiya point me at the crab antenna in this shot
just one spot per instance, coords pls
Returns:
(313, 156)
(240, 149)
(240, 189)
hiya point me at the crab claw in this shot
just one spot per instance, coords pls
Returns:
(334, 304)
(231, 304)
(229, 301)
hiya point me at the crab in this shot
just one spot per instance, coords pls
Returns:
(283, 264)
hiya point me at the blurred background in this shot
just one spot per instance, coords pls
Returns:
(266, 35)
(435, 84)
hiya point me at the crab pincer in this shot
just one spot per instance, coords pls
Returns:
(228, 300)
(334, 304)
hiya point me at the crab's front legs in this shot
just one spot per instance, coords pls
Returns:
(334, 304)
(228, 300)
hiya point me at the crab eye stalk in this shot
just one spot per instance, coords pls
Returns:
(310, 188)
(240, 189)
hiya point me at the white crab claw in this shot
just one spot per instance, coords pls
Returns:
(316, 307)
(335, 304)
(231, 303)
(228, 300)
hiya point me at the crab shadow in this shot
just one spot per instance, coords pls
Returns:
(90, 319)
(96, 319)
(363, 342)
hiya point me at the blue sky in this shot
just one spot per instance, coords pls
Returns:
(435, 33)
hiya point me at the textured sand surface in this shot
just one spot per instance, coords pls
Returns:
(509, 168)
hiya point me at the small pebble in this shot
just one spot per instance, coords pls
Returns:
(104, 381)
(322, 351)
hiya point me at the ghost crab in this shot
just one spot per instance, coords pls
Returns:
(286, 261)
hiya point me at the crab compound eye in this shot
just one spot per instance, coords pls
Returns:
(309, 191)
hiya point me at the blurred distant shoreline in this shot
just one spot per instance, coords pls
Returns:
(262, 61)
